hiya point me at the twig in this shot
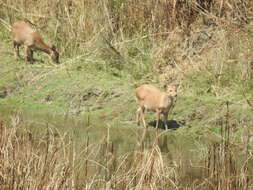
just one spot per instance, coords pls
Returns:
(248, 102)
(114, 49)
(6, 25)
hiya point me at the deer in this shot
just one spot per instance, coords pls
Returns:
(23, 34)
(151, 98)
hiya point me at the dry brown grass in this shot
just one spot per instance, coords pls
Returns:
(182, 35)
(28, 163)
(74, 24)
(52, 161)
(179, 46)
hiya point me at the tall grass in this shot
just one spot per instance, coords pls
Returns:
(137, 36)
(77, 26)
(206, 45)
(52, 160)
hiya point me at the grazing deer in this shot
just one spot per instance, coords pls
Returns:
(23, 34)
(151, 98)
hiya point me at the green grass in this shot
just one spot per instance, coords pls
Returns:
(78, 88)
(101, 87)
(90, 95)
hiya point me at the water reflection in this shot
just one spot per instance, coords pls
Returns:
(124, 138)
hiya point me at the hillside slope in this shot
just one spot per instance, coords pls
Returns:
(213, 83)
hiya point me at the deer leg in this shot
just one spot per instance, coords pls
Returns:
(158, 112)
(165, 115)
(29, 54)
(32, 54)
(142, 111)
(16, 49)
(138, 112)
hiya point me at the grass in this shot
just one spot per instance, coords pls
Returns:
(87, 102)
(92, 86)
(154, 160)
(48, 86)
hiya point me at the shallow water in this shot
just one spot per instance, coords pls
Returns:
(124, 138)
(190, 158)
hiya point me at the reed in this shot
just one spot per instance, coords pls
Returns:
(77, 25)
(53, 161)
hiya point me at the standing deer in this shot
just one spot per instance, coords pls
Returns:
(151, 98)
(23, 34)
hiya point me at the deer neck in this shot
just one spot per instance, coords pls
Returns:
(44, 47)
(39, 44)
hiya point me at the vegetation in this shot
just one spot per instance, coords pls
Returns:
(108, 48)
(53, 161)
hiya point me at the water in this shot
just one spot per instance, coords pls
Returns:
(124, 138)
(193, 160)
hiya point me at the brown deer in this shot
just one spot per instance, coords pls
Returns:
(151, 98)
(23, 34)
